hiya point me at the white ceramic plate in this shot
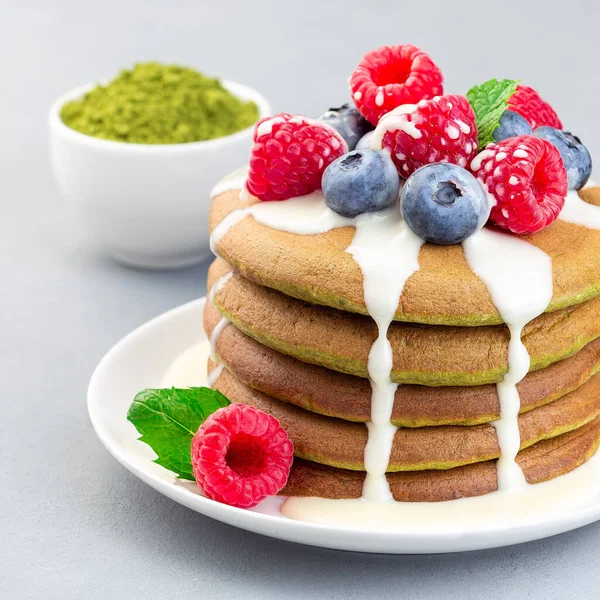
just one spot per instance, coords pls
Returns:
(145, 359)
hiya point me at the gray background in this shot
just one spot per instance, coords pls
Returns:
(74, 523)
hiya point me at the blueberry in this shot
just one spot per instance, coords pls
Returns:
(575, 155)
(365, 141)
(444, 204)
(511, 125)
(359, 182)
(348, 122)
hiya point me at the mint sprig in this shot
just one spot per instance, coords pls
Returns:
(168, 419)
(489, 100)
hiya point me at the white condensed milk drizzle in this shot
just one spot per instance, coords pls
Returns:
(218, 330)
(236, 180)
(388, 254)
(579, 212)
(305, 215)
(519, 278)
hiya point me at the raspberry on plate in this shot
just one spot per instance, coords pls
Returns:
(442, 129)
(528, 103)
(391, 76)
(528, 180)
(289, 156)
(241, 455)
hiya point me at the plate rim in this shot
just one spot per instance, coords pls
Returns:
(315, 534)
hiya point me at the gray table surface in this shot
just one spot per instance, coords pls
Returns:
(73, 522)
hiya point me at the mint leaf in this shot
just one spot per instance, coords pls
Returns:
(168, 419)
(489, 101)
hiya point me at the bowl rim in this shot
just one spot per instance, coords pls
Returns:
(243, 92)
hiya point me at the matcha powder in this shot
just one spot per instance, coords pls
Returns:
(159, 104)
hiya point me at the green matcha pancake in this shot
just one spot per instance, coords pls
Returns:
(348, 397)
(423, 355)
(444, 291)
(341, 444)
(541, 462)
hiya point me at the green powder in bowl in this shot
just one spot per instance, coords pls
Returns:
(159, 104)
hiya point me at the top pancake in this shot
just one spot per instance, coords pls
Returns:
(444, 291)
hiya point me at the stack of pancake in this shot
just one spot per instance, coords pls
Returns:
(294, 340)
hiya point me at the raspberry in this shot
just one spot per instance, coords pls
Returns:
(439, 130)
(527, 178)
(289, 156)
(391, 76)
(527, 102)
(241, 455)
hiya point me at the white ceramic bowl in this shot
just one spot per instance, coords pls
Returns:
(146, 203)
